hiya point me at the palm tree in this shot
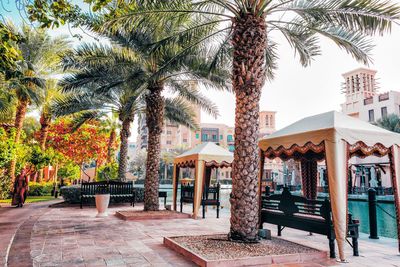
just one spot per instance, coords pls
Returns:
(244, 35)
(51, 92)
(106, 79)
(111, 125)
(163, 70)
(39, 60)
(391, 122)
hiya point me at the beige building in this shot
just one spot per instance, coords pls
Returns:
(363, 101)
(267, 122)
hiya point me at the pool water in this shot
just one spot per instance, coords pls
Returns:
(359, 209)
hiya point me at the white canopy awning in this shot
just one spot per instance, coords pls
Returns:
(337, 136)
(198, 157)
(329, 126)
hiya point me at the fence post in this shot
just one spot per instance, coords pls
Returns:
(373, 226)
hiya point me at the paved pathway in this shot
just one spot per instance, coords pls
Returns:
(15, 227)
(75, 237)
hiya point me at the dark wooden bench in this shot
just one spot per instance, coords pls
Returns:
(163, 194)
(119, 191)
(187, 195)
(314, 216)
(211, 197)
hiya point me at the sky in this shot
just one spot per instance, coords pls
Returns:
(297, 92)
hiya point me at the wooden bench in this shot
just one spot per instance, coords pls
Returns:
(211, 197)
(187, 195)
(120, 191)
(314, 216)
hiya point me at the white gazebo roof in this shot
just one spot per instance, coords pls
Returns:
(208, 152)
(329, 126)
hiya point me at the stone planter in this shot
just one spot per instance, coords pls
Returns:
(102, 201)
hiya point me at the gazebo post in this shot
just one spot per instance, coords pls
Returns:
(198, 186)
(336, 160)
(395, 173)
(175, 185)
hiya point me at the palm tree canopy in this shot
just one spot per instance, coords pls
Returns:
(40, 61)
(347, 23)
(112, 84)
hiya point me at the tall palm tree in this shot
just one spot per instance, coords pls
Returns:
(244, 34)
(107, 79)
(162, 70)
(391, 122)
(39, 60)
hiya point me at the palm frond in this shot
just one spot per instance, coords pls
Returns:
(178, 111)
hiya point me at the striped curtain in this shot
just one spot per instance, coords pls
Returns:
(309, 178)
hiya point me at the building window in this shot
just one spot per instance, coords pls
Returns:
(185, 140)
(221, 137)
(169, 132)
(214, 138)
(384, 112)
(169, 142)
(371, 115)
(231, 148)
(204, 137)
(197, 136)
(230, 138)
(267, 121)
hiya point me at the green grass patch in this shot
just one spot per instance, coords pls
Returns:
(32, 199)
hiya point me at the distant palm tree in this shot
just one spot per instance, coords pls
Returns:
(391, 122)
(105, 80)
(40, 54)
(242, 30)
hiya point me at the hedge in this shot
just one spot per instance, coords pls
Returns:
(40, 189)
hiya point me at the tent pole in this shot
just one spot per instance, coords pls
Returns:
(336, 160)
(395, 175)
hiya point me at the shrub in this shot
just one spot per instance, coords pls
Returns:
(40, 189)
(108, 171)
(71, 193)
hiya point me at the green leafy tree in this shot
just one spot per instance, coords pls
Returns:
(244, 35)
(391, 122)
(9, 51)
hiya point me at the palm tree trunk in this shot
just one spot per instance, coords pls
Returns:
(19, 122)
(154, 120)
(249, 43)
(110, 148)
(44, 130)
(123, 152)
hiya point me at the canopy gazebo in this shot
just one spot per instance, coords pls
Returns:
(203, 158)
(335, 138)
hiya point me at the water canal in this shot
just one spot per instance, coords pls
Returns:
(359, 209)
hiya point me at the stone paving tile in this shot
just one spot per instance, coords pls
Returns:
(75, 237)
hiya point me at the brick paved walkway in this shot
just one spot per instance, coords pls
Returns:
(75, 237)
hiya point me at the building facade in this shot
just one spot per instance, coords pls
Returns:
(363, 101)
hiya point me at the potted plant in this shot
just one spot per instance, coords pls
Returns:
(102, 200)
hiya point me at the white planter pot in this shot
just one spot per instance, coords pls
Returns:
(102, 202)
